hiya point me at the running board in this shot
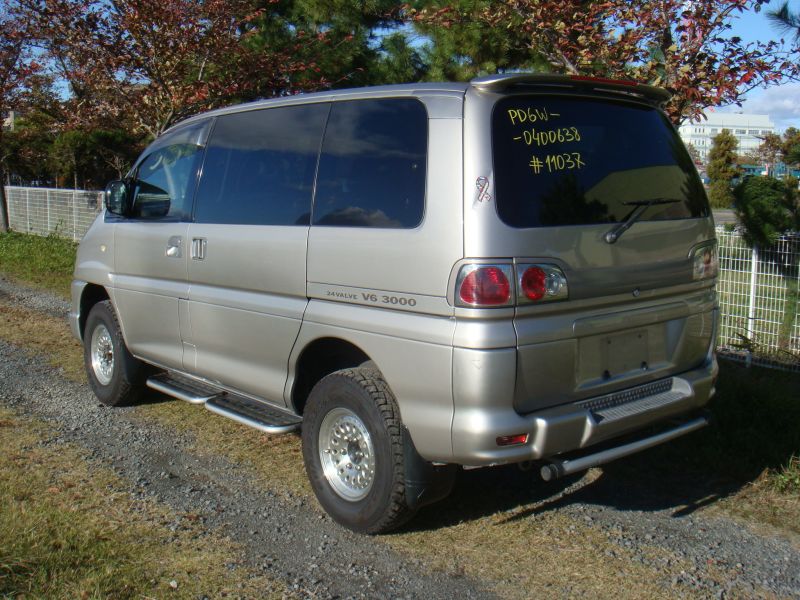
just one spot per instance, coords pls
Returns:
(560, 468)
(256, 414)
(183, 388)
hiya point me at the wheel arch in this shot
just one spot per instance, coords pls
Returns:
(320, 357)
(91, 295)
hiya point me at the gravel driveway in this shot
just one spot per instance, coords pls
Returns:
(293, 542)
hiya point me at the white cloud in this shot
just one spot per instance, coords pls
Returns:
(781, 103)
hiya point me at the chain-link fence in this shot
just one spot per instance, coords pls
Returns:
(758, 295)
(43, 211)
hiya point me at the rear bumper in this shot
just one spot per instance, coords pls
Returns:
(577, 425)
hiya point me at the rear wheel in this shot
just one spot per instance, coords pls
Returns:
(115, 376)
(353, 448)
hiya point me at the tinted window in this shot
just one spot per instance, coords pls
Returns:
(372, 168)
(573, 161)
(165, 180)
(259, 167)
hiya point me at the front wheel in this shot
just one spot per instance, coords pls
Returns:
(115, 376)
(353, 449)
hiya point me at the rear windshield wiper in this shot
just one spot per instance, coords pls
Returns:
(641, 205)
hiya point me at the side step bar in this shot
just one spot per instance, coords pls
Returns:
(560, 468)
(182, 388)
(259, 415)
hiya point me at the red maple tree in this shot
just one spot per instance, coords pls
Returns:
(153, 62)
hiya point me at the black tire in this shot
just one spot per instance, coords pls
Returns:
(125, 382)
(362, 392)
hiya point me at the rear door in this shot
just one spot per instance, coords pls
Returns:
(247, 267)
(603, 187)
(150, 246)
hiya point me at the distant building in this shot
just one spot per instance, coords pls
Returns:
(749, 131)
(9, 120)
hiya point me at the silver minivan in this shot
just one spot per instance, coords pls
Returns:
(420, 277)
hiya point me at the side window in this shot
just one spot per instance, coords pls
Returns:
(259, 166)
(165, 180)
(373, 164)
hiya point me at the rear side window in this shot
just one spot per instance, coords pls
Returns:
(165, 180)
(579, 161)
(373, 163)
(259, 167)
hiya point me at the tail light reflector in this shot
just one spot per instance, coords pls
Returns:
(512, 440)
(484, 285)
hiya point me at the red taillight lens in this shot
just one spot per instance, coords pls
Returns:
(485, 286)
(534, 283)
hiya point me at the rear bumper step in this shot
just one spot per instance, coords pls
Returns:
(250, 412)
(560, 468)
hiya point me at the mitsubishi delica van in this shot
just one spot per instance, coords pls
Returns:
(421, 278)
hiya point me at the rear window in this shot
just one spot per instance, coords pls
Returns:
(578, 161)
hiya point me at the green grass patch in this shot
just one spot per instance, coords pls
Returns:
(69, 529)
(43, 262)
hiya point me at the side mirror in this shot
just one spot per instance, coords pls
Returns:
(116, 198)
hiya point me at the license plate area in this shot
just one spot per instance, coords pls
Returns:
(625, 352)
(618, 355)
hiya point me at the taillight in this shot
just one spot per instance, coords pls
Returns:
(705, 261)
(484, 285)
(541, 283)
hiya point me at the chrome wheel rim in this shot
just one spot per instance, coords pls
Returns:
(102, 349)
(346, 454)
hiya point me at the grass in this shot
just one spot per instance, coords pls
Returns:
(42, 262)
(43, 335)
(69, 529)
(509, 534)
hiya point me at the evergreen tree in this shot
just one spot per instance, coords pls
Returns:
(786, 21)
(767, 208)
(722, 169)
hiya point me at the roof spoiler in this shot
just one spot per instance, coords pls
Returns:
(502, 82)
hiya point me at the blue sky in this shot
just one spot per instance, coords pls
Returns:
(781, 102)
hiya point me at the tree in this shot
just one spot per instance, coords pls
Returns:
(685, 47)
(791, 146)
(786, 21)
(694, 154)
(767, 208)
(722, 168)
(770, 150)
(154, 62)
(16, 65)
(465, 43)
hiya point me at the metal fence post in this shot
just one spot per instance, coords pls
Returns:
(751, 310)
(47, 203)
(74, 217)
(28, 208)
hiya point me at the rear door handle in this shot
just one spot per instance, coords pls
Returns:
(174, 245)
(198, 248)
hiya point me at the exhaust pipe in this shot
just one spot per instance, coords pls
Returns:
(556, 469)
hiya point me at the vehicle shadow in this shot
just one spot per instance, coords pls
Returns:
(755, 427)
